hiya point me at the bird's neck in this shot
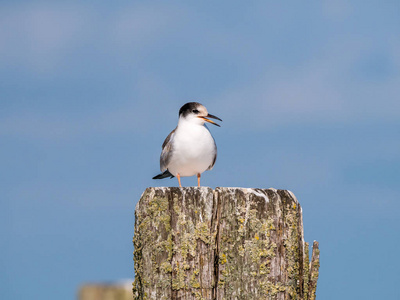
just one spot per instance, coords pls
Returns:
(183, 123)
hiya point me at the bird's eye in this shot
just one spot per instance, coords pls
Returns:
(195, 111)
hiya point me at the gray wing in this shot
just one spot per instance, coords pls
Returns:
(166, 152)
(215, 158)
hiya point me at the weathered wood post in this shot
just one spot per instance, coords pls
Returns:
(105, 291)
(227, 243)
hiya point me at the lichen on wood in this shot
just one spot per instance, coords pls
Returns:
(314, 272)
(231, 243)
(174, 243)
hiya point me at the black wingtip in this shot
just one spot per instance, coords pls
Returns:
(164, 175)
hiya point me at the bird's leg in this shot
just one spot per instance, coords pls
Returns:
(198, 179)
(179, 179)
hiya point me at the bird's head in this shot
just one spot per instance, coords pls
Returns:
(196, 113)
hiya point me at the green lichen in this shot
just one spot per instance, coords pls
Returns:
(202, 232)
(157, 205)
(189, 233)
(264, 268)
(242, 230)
(246, 247)
(222, 259)
(188, 245)
(252, 250)
(152, 231)
(314, 274)
(197, 295)
(241, 250)
(268, 248)
(169, 246)
(178, 281)
(268, 226)
(194, 283)
(221, 282)
(166, 267)
(292, 248)
(306, 272)
(176, 207)
(272, 289)
(166, 219)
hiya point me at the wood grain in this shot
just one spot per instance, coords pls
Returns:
(227, 243)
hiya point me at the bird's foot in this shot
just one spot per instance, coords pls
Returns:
(179, 179)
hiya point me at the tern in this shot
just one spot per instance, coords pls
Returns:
(190, 148)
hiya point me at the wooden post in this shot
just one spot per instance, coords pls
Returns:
(106, 291)
(231, 243)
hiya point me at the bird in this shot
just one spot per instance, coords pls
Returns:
(190, 148)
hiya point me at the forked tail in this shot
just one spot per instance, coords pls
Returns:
(164, 175)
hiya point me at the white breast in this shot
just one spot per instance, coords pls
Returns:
(193, 150)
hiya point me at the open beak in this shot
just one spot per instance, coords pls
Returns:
(210, 121)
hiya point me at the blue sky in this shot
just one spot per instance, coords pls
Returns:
(309, 95)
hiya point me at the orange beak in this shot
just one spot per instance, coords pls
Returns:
(210, 121)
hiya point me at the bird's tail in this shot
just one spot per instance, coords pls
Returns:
(164, 175)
